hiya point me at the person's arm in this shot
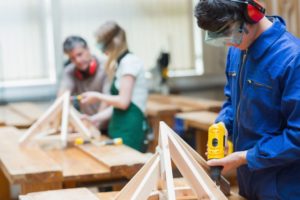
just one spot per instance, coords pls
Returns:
(226, 113)
(101, 116)
(121, 101)
(279, 150)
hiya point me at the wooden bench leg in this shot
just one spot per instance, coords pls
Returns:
(154, 123)
(37, 187)
(4, 187)
(201, 142)
(70, 184)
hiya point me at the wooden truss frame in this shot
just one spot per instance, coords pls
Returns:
(61, 114)
(159, 170)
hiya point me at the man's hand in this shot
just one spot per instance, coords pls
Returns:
(90, 97)
(230, 162)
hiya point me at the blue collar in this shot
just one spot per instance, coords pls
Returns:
(267, 38)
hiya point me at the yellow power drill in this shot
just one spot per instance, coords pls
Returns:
(216, 148)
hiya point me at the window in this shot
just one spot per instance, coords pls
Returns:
(152, 26)
(32, 33)
(26, 43)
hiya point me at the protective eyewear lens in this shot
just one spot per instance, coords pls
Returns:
(230, 35)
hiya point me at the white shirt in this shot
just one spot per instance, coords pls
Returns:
(132, 65)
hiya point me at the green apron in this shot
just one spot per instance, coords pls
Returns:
(129, 124)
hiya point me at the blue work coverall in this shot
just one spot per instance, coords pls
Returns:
(262, 113)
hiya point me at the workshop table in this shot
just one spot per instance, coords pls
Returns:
(200, 121)
(83, 193)
(164, 108)
(36, 169)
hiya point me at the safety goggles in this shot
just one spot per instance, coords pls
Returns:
(229, 34)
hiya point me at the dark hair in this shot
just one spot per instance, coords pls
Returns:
(214, 14)
(73, 41)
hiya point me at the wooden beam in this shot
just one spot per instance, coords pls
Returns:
(94, 131)
(115, 157)
(143, 183)
(77, 123)
(194, 174)
(198, 179)
(224, 184)
(65, 119)
(165, 167)
(49, 114)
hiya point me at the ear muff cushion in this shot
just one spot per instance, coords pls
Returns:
(254, 14)
(90, 71)
(93, 67)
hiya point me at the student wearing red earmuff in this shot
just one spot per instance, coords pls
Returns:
(85, 72)
(261, 113)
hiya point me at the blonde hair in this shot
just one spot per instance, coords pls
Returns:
(113, 38)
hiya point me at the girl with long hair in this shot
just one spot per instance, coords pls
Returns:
(128, 92)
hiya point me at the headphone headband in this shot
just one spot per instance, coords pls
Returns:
(256, 5)
(253, 12)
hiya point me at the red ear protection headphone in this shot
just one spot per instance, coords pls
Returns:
(253, 11)
(81, 75)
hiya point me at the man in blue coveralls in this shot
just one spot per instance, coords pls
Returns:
(262, 110)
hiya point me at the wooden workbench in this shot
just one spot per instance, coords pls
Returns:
(83, 193)
(187, 104)
(36, 169)
(200, 121)
(68, 194)
(163, 108)
(20, 115)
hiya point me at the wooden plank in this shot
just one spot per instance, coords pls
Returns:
(23, 164)
(47, 117)
(179, 183)
(186, 104)
(143, 183)
(9, 117)
(39, 186)
(83, 193)
(200, 120)
(225, 186)
(120, 159)
(194, 174)
(65, 119)
(156, 108)
(79, 166)
(198, 179)
(78, 124)
(165, 165)
(86, 128)
(30, 111)
(67, 194)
